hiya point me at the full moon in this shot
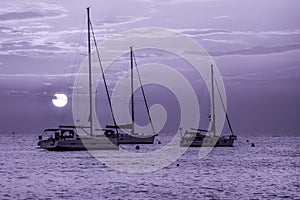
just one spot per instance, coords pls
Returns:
(60, 101)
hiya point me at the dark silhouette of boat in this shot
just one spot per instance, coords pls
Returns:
(208, 138)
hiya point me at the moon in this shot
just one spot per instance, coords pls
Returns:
(60, 101)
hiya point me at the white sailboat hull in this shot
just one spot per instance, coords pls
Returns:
(79, 144)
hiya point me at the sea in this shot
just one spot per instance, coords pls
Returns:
(270, 170)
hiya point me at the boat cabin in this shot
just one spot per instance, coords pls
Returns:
(60, 133)
(194, 135)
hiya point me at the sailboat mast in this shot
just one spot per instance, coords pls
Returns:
(132, 96)
(213, 101)
(90, 72)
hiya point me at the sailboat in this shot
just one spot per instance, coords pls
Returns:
(65, 138)
(133, 137)
(208, 138)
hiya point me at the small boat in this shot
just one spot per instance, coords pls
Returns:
(208, 138)
(66, 139)
(199, 139)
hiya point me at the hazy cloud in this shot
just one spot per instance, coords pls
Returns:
(15, 92)
(212, 32)
(258, 50)
(109, 21)
(23, 31)
(222, 41)
(176, 1)
(37, 75)
(31, 11)
(221, 17)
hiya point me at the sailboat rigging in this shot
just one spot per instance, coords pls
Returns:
(65, 138)
(133, 138)
(111, 131)
(143, 92)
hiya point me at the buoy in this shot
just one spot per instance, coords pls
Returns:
(158, 142)
(137, 147)
(177, 165)
(247, 140)
(252, 145)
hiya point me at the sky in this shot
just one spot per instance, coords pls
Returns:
(254, 43)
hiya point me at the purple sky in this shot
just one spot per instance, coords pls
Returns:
(255, 43)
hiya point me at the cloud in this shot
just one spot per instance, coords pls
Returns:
(35, 38)
(34, 52)
(31, 12)
(20, 15)
(177, 1)
(23, 31)
(15, 92)
(37, 75)
(222, 41)
(110, 21)
(201, 32)
(256, 50)
(214, 32)
(259, 50)
(221, 17)
(23, 41)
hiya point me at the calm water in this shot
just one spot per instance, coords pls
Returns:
(268, 171)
